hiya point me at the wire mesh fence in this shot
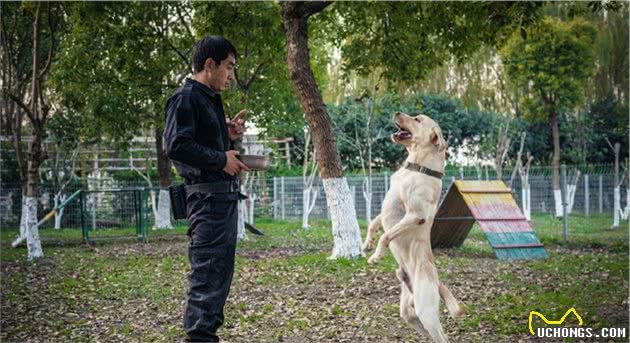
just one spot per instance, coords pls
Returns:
(111, 207)
(593, 194)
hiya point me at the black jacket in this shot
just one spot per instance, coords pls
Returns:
(196, 135)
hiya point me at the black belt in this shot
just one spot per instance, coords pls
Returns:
(214, 187)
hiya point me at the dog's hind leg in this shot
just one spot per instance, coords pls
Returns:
(410, 221)
(407, 311)
(403, 278)
(426, 299)
(375, 224)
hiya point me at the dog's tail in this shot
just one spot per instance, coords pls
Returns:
(452, 304)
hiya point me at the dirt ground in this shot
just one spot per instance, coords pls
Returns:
(135, 292)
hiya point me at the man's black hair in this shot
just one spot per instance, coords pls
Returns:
(215, 47)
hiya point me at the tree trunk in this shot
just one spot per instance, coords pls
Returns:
(59, 198)
(29, 213)
(346, 233)
(555, 163)
(163, 214)
(23, 227)
(36, 156)
(242, 218)
(32, 234)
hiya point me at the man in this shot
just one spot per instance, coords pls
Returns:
(199, 139)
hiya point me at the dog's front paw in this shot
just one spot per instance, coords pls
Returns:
(367, 246)
(374, 259)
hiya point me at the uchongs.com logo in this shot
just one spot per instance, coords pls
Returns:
(571, 332)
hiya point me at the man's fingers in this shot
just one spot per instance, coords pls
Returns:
(243, 166)
(240, 114)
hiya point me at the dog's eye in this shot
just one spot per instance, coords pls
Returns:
(418, 119)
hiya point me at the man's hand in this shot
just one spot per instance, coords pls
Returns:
(233, 166)
(236, 125)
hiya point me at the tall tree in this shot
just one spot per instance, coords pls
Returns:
(346, 233)
(136, 54)
(402, 41)
(15, 58)
(262, 81)
(47, 26)
(552, 66)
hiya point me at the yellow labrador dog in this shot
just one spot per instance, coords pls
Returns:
(407, 216)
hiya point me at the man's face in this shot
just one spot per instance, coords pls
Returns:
(222, 75)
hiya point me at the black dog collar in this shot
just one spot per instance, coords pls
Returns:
(423, 170)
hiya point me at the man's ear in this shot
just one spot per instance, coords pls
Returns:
(437, 140)
(209, 63)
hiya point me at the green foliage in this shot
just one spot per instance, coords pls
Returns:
(403, 41)
(9, 173)
(459, 124)
(585, 136)
(263, 85)
(17, 54)
(551, 65)
(119, 64)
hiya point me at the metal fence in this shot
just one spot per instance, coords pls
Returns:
(282, 198)
(594, 194)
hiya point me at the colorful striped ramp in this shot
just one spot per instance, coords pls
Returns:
(491, 205)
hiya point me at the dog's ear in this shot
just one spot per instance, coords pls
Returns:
(437, 139)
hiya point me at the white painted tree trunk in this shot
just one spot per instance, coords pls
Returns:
(526, 201)
(571, 197)
(92, 204)
(58, 199)
(367, 195)
(23, 225)
(626, 211)
(305, 202)
(557, 196)
(152, 199)
(33, 243)
(345, 228)
(163, 214)
(251, 207)
(309, 196)
(242, 217)
(617, 208)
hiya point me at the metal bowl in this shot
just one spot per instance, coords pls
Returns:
(255, 162)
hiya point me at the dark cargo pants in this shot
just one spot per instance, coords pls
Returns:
(211, 251)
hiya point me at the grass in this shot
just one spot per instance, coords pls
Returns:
(286, 288)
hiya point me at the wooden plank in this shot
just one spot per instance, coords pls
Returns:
(521, 254)
(516, 239)
(455, 218)
(486, 191)
(492, 206)
(531, 245)
(506, 226)
(501, 219)
(451, 233)
(473, 185)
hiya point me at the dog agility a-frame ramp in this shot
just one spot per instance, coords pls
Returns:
(491, 205)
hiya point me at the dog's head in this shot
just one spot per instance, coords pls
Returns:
(418, 133)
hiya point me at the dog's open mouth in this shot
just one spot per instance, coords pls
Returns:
(402, 134)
